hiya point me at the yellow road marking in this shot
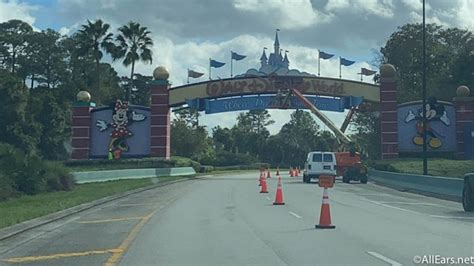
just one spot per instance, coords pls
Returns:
(135, 204)
(116, 257)
(110, 220)
(62, 255)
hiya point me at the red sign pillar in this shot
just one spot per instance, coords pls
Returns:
(464, 104)
(160, 115)
(388, 111)
(81, 122)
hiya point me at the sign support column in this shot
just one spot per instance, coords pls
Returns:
(388, 112)
(160, 114)
(464, 104)
(81, 123)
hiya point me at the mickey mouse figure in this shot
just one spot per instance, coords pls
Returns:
(121, 118)
(434, 112)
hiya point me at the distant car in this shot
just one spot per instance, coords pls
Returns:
(468, 193)
(319, 163)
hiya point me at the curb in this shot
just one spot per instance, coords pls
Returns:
(446, 188)
(13, 230)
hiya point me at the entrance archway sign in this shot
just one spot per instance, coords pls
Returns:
(253, 85)
(261, 102)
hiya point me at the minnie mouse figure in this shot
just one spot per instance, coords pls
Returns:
(121, 117)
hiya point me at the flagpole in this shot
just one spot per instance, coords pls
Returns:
(340, 75)
(188, 75)
(230, 63)
(361, 77)
(319, 62)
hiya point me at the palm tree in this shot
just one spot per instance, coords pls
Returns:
(93, 38)
(134, 45)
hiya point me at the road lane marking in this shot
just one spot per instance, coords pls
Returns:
(125, 245)
(452, 217)
(390, 206)
(110, 220)
(134, 204)
(382, 257)
(296, 215)
(62, 255)
(409, 203)
(267, 198)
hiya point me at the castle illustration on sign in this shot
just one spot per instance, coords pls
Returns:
(277, 63)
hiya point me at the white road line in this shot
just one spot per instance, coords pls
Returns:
(267, 198)
(296, 215)
(409, 203)
(382, 257)
(392, 207)
(452, 217)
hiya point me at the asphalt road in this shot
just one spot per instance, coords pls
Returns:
(223, 220)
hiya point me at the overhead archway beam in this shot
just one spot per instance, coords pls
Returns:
(270, 85)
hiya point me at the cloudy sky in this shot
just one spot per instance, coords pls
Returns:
(187, 32)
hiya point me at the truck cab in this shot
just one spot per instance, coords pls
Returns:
(319, 163)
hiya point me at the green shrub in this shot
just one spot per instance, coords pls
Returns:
(384, 167)
(206, 168)
(226, 158)
(28, 174)
(58, 177)
(7, 189)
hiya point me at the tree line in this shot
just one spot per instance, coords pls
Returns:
(40, 74)
(249, 141)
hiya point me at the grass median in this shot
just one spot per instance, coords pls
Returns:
(436, 166)
(17, 210)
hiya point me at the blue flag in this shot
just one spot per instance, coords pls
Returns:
(346, 62)
(237, 56)
(216, 64)
(324, 55)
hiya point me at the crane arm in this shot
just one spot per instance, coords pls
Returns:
(339, 134)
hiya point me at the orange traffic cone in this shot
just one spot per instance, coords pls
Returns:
(264, 186)
(299, 171)
(278, 171)
(325, 216)
(269, 174)
(292, 172)
(296, 172)
(279, 194)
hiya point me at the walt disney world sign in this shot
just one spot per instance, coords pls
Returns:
(271, 84)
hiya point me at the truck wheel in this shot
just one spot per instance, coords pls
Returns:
(363, 180)
(468, 196)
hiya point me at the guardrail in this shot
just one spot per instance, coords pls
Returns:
(107, 175)
(437, 186)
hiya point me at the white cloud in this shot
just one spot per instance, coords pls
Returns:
(465, 15)
(12, 9)
(380, 8)
(287, 14)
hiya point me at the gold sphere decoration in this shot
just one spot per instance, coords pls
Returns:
(83, 96)
(463, 91)
(388, 71)
(161, 73)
